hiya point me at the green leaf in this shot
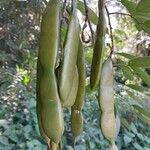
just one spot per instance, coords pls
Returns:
(143, 118)
(125, 123)
(131, 94)
(140, 13)
(141, 17)
(127, 72)
(142, 74)
(136, 87)
(26, 79)
(140, 62)
(120, 62)
(146, 26)
(142, 23)
(88, 91)
(131, 6)
(126, 55)
(143, 6)
(144, 111)
(92, 15)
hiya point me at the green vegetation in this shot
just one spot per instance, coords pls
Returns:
(19, 40)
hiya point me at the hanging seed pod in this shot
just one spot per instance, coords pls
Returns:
(73, 92)
(98, 48)
(38, 109)
(79, 102)
(76, 122)
(48, 102)
(106, 101)
(70, 56)
(76, 114)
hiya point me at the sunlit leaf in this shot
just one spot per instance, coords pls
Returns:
(143, 111)
(26, 79)
(120, 62)
(146, 26)
(125, 123)
(92, 15)
(143, 6)
(140, 62)
(127, 72)
(142, 74)
(131, 6)
(126, 55)
(132, 95)
(143, 118)
(135, 87)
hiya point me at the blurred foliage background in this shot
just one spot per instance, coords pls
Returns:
(19, 34)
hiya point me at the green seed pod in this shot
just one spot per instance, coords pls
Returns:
(106, 101)
(50, 114)
(52, 126)
(73, 92)
(70, 56)
(79, 102)
(108, 126)
(106, 86)
(76, 122)
(98, 48)
(39, 74)
(49, 37)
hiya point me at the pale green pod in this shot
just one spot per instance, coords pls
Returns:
(76, 122)
(70, 56)
(99, 47)
(73, 92)
(48, 101)
(79, 102)
(106, 101)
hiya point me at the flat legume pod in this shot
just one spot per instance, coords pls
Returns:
(106, 101)
(70, 56)
(50, 107)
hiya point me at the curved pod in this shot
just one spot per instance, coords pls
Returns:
(70, 56)
(106, 101)
(76, 122)
(48, 102)
(38, 104)
(49, 36)
(73, 92)
(98, 48)
(79, 102)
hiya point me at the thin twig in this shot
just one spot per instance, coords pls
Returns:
(88, 20)
(111, 33)
(136, 20)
